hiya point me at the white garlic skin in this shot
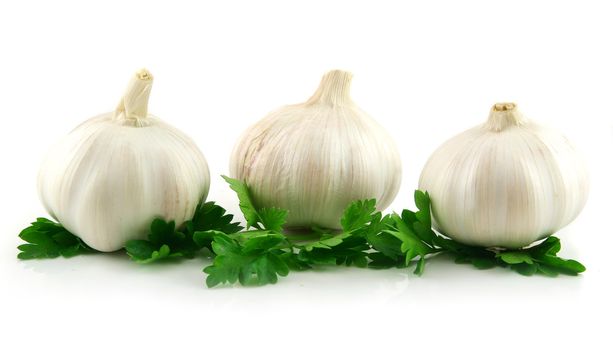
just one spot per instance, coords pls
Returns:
(113, 174)
(506, 183)
(315, 158)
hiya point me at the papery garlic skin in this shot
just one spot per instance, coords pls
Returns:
(113, 174)
(506, 183)
(315, 158)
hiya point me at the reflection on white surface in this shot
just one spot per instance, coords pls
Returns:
(115, 276)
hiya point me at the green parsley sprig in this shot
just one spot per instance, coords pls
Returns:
(368, 239)
(167, 241)
(256, 256)
(48, 239)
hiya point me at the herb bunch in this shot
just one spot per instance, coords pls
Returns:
(368, 239)
(262, 252)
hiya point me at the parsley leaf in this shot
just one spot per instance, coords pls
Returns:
(515, 257)
(413, 230)
(540, 258)
(210, 216)
(245, 203)
(166, 241)
(271, 219)
(349, 247)
(144, 252)
(49, 239)
(251, 260)
(383, 242)
(358, 214)
(543, 258)
(412, 245)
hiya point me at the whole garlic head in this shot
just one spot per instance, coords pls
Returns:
(315, 158)
(112, 175)
(506, 183)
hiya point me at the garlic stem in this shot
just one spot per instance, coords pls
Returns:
(333, 89)
(133, 104)
(504, 115)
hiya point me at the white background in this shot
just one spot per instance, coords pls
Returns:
(425, 70)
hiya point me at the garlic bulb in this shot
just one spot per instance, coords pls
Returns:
(109, 177)
(506, 183)
(315, 158)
